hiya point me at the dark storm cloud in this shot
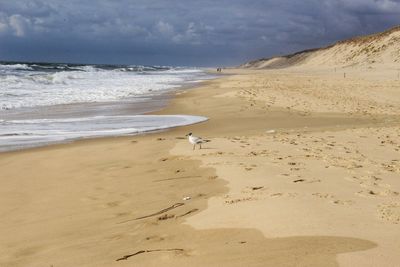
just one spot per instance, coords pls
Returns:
(181, 32)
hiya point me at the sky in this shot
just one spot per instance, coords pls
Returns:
(181, 32)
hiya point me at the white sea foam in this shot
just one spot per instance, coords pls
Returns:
(4, 68)
(25, 86)
(17, 134)
(30, 91)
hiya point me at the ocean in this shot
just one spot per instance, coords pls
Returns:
(46, 103)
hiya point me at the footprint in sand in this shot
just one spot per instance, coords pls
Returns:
(373, 183)
(165, 217)
(391, 167)
(323, 195)
(254, 190)
(155, 238)
(376, 193)
(390, 212)
(113, 204)
(343, 202)
(279, 194)
(237, 200)
(313, 181)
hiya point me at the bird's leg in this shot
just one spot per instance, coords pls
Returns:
(200, 146)
(194, 147)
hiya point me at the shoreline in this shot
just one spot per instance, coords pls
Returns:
(240, 210)
(138, 106)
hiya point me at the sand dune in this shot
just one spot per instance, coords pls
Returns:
(381, 50)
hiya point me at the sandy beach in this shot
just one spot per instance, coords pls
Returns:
(302, 169)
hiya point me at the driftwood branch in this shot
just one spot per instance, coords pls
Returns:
(176, 205)
(147, 251)
(177, 178)
(186, 213)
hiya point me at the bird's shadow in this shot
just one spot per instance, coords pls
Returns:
(206, 148)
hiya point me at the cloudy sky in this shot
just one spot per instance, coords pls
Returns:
(181, 32)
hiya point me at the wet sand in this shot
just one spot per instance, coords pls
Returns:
(297, 173)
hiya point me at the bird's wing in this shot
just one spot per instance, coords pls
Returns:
(196, 139)
(199, 140)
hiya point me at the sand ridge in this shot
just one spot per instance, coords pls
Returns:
(371, 51)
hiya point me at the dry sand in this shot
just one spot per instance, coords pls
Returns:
(303, 170)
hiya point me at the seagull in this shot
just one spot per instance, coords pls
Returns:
(194, 140)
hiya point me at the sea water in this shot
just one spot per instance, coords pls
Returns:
(45, 103)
